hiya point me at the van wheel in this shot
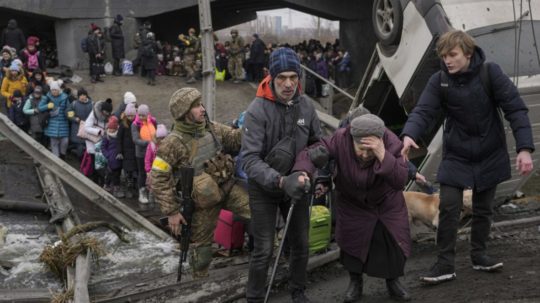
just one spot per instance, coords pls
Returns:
(387, 17)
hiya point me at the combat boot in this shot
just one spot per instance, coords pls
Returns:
(199, 260)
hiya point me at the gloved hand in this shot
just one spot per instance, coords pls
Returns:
(292, 186)
(119, 157)
(50, 105)
(319, 156)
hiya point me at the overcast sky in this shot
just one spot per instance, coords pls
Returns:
(298, 19)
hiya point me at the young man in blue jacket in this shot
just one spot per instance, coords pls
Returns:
(475, 153)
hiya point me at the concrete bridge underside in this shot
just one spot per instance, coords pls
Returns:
(65, 22)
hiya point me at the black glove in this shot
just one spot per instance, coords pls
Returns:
(293, 188)
(319, 156)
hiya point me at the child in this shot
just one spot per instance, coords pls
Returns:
(151, 152)
(109, 148)
(142, 131)
(15, 113)
(126, 148)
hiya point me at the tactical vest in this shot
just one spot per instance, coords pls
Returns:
(206, 150)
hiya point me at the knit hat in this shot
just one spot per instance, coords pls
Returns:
(367, 125)
(118, 18)
(130, 110)
(129, 97)
(282, 60)
(38, 89)
(32, 40)
(17, 94)
(14, 66)
(161, 131)
(106, 106)
(143, 110)
(112, 123)
(357, 112)
(81, 92)
(55, 85)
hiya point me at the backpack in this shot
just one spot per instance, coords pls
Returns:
(33, 60)
(84, 44)
(148, 50)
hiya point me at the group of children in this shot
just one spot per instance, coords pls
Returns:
(125, 150)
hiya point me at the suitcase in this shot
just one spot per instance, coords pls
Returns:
(320, 227)
(229, 233)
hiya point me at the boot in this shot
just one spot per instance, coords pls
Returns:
(151, 198)
(142, 196)
(397, 291)
(354, 291)
(129, 188)
(191, 80)
(117, 192)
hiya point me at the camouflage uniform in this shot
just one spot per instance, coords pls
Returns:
(236, 56)
(193, 46)
(175, 151)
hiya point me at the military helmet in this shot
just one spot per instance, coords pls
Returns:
(234, 31)
(181, 101)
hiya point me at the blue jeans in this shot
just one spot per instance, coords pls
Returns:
(263, 221)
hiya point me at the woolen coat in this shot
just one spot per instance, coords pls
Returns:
(474, 143)
(365, 195)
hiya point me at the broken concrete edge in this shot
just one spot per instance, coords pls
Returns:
(95, 194)
(223, 285)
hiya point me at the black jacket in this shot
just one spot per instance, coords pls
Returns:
(117, 41)
(474, 142)
(12, 36)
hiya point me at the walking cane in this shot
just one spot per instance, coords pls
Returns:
(289, 215)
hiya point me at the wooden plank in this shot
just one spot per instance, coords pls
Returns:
(78, 181)
(25, 295)
(17, 205)
(59, 202)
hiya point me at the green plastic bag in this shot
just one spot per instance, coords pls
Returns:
(220, 75)
(320, 227)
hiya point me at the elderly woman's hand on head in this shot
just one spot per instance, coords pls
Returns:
(376, 145)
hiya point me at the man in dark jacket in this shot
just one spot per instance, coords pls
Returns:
(475, 153)
(96, 53)
(256, 56)
(117, 44)
(278, 111)
(12, 36)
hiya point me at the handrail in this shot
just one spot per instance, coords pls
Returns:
(326, 81)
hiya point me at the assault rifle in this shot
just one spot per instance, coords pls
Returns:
(187, 209)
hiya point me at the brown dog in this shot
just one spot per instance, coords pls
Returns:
(424, 208)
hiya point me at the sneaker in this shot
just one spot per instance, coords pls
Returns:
(142, 196)
(485, 263)
(298, 296)
(439, 273)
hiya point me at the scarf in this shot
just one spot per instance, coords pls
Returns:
(192, 129)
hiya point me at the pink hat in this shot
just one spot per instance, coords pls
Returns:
(161, 131)
(130, 110)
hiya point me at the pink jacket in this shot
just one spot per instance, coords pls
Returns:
(151, 152)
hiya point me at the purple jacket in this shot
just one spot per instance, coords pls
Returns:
(365, 195)
(109, 148)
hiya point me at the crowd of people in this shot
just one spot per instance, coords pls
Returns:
(281, 147)
(236, 59)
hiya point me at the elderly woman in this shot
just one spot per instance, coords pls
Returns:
(372, 227)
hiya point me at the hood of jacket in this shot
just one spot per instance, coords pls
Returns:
(97, 111)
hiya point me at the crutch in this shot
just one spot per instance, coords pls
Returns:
(281, 243)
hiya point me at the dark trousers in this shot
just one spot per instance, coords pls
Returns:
(450, 209)
(116, 67)
(263, 218)
(141, 173)
(151, 74)
(113, 176)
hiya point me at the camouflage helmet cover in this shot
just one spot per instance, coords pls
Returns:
(234, 31)
(181, 101)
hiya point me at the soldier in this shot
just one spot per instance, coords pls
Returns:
(198, 142)
(192, 47)
(236, 56)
